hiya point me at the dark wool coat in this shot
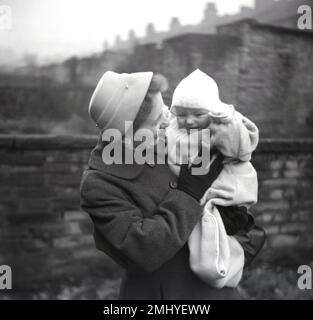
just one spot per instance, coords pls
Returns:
(143, 222)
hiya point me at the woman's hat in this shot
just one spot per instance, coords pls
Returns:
(117, 98)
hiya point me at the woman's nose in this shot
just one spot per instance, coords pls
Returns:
(164, 123)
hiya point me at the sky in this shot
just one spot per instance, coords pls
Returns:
(57, 28)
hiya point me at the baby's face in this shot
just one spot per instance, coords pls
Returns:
(192, 118)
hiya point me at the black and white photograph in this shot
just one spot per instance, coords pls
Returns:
(156, 150)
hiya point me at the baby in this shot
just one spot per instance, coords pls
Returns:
(215, 255)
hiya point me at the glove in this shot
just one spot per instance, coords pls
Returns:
(196, 185)
(235, 219)
(240, 223)
(251, 240)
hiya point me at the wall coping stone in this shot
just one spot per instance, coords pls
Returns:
(254, 24)
(69, 142)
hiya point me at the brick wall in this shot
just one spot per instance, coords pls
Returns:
(275, 78)
(265, 71)
(44, 236)
(47, 240)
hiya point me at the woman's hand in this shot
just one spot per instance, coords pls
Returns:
(196, 185)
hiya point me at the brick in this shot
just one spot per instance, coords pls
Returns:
(74, 228)
(75, 215)
(62, 167)
(73, 179)
(86, 253)
(86, 227)
(303, 204)
(279, 183)
(8, 206)
(295, 217)
(43, 142)
(48, 230)
(6, 141)
(290, 194)
(35, 206)
(34, 192)
(268, 174)
(271, 206)
(40, 244)
(305, 215)
(291, 164)
(270, 230)
(29, 218)
(20, 245)
(6, 193)
(14, 232)
(277, 164)
(280, 217)
(8, 169)
(307, 162)
(73, 241)
(64, 242)
(307, 242)
(294, 173)
(19, 157)
(65, 192)
(276, 194)
(23, 179)
(294, 228)
(266, 217)
(281, 241)
(66, 204)
(68, 157)
(69, 270)
(276, 174)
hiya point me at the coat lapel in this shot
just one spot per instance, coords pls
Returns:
(125, 171)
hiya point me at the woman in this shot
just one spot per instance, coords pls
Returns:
(144, 214)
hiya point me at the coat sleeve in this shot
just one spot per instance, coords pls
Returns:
(239, 222)
(252, 241)
(136, 242)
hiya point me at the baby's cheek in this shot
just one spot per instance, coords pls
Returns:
(205, 123)
(180, 123)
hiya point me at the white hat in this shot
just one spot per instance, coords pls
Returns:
(117, 98)
(198, 90)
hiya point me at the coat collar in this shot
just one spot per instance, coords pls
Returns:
(125, 171)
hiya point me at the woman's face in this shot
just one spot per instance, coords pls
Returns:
(192, 118)
(157, 118)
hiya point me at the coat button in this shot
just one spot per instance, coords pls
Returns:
(173, 184)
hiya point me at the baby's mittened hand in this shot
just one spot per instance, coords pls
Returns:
(225, 135)
(224, 119)
(235, 218)
(218, 127)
